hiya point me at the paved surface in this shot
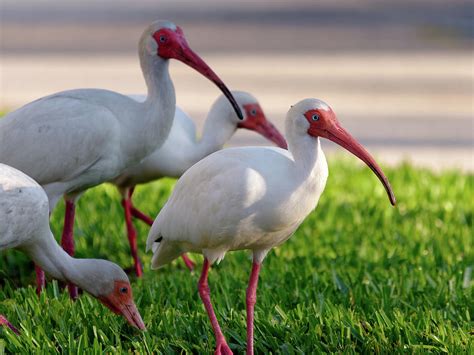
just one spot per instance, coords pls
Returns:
(239, 26)
(399, 74)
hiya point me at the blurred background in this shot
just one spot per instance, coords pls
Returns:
(399, 74)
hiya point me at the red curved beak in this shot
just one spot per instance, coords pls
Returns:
(133, 317)
(339, 135)
(269, 131)
(182, 52)
(127, 309)
(256, 121)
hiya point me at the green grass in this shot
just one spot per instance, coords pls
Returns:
(358, 276)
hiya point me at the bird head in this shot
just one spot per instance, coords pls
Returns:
(317, 119)
(255, 119)
(167, 41)
(223, 119)
(108, 282)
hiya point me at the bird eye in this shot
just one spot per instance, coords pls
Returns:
(315, 117)
(253, 112)
(123, 290)
(162, 39)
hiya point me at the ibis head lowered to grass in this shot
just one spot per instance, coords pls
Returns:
(251, 198)
(24, 225)
(182, 149)
(77, 139)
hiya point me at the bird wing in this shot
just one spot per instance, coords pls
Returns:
(59, 137)
(24, 208)
(216, 199)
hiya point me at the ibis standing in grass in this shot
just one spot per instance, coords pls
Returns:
(251, 198)
(182, 149)
(74, 140)
(24, 225)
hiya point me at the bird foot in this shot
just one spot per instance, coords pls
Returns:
(222, 348)
(4, 321)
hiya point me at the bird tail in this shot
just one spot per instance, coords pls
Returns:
(153, 243)
(163, 251)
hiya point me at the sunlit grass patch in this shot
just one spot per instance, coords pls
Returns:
(358, 276)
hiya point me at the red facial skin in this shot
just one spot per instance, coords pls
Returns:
(327, 126)
(120, 301)
(173, 45)
(256, 121)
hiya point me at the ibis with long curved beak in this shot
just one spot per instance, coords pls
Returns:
(77, 139)
(182, 149)
(251, 198)
(24, 225)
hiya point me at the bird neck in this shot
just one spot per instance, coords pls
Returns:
(308, 154)
(157, 77)
(218, 129)
(311, 169)
(46, 253)
(160, 104)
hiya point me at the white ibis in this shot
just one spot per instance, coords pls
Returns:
(73, 140)
(24, 225)
(181, 150)
(251, 198)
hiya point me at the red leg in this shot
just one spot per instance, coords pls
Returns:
(67, 239)
(40, 279)
(205, 293)
(251, 299)
(136, 212)
(141, 216)
(132, 235)
(4, 321)
(188, 262)
(148, 220)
